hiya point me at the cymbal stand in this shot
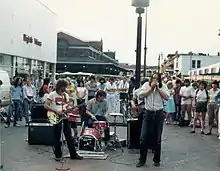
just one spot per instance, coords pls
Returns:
(116, 141)
(62, 168)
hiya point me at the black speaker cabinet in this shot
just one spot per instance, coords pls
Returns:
(40, 134)
(133, 133)
(38, 113)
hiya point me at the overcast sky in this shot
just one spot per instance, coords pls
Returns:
(173, 25)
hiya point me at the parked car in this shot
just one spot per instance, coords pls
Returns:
(4, 88)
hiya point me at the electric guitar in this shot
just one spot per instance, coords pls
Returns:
(55, 118)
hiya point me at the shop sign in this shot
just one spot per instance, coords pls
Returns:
(30, 39)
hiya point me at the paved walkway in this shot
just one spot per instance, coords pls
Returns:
(181, 151)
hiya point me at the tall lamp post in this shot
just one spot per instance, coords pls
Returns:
(145, 45)
(158, 64)
(139, 5)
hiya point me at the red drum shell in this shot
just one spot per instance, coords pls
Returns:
(91, 132)
(100, 125)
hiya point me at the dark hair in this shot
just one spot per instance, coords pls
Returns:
(102, 79)
(1, 82)
(159, 79)
(203, 83)
(46, 81)
(178, 81)
(16, 82)
(92, 77)
(186, 81)
(100, 93)
(62, 83)
(111, 79)
(215, 82)
(80, 81)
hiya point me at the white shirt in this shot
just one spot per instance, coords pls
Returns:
(201, 96)
(187, 91)
(81, 92)
(58, 101)
(123, 84)
(110, 86)
(154, 101)
(136, 95)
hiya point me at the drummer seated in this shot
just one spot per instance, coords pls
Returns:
(96, 109)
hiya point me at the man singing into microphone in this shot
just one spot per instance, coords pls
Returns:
(153, 92)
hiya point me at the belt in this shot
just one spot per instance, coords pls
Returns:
(154, 111)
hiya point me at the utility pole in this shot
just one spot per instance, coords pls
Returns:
(159, 63)
(145, 46)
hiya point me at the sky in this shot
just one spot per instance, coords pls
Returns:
(172, 25)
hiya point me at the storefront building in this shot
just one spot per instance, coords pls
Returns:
(28, 38)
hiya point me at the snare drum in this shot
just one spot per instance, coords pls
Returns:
(91, 132)
(100, 125)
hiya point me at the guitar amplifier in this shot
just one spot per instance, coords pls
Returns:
(133, 133)
(38, 113)
(40, 133)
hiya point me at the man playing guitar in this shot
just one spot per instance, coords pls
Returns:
(54, 103)
(96, 109)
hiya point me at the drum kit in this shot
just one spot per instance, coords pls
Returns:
(90, 140)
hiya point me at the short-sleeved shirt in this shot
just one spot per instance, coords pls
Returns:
(71, 89)
(154, 101)
(97, 109)
(92, 85)
(57, 101)
(187, 91)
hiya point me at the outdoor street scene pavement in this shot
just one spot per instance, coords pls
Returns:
(180, 151)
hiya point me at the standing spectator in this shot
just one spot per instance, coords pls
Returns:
(92, 88)
(70, 88)
(15, 96)
(186, 94)
(201, 99)
(169, 104)
(29, 93)
(212, 106)
(177, 100)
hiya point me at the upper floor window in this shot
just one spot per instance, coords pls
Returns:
(194, 64)
(198, 64)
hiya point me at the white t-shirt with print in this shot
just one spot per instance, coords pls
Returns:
(57, 101)
(186, 91)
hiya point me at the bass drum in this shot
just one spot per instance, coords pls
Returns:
(90, 140)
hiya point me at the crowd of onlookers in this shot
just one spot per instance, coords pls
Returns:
(188, 103)
(194, 98)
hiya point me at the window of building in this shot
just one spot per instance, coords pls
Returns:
(193, 64)
(198, 64)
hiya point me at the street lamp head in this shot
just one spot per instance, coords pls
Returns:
(140, 3)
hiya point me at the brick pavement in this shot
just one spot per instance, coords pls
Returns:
(181, 151)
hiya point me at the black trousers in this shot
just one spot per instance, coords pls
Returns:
(106, 130)
(152, 128)
(68, 136)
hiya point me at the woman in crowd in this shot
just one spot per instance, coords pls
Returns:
(169, 104)
(81, 97)
(15, 95)
(201, 99)
(177, 100)
(29, 93)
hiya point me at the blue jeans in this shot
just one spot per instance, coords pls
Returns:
(15, 106)
(27, 106)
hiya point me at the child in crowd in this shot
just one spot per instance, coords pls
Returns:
(170, 107)
(73, 117)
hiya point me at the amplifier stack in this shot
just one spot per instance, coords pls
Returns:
(40, 131)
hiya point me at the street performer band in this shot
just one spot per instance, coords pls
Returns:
(96, 109)
(150, 107)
